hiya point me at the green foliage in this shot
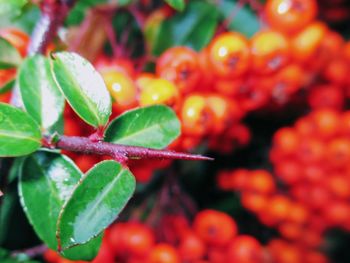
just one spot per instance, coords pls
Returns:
(87, 251)
(95, 203)
(8, 85)
(11, 8)
(25, 20)
(41, 97)
(19, 133)
(67, 209)
(46, 182)
(177, 4)
(154, 127)
(194, 27)
(83, 87)
(77, 14)
(244, 21)
(9, 56)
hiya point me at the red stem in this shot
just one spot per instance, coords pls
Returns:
(31, 252)
(53, 15)
(118, 151)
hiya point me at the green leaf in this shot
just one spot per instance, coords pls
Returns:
(154, 127)
(9, 56)
(10, 199)
(46, 182)
(6, 212)
(41, 97)
(19, 133)
(176, 4)
(8, 85)
(11, 8)
(95, 203)
(87, 251)
(194, 27)
(83, 87)
(25, 21)
(245, 20)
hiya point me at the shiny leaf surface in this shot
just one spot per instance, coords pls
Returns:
(19, 133)
(154, 127)
(41, 97)
(95, 203)
(83, 87)
(46, 182)
(9, 56)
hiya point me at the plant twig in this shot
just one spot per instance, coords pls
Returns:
(31, 252)
(117, 151)
(53, 15)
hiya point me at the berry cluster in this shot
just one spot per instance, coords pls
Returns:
(177, 83)
(312, 158)
(211, 91)
(274, 208)
(311, 165)
(20, 41)
(212, 237)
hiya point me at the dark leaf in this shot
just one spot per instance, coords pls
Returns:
(95, 203)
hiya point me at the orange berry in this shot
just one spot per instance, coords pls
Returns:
(164, 253)
(239, 179)
(180, 65)
(286, 140)
(287, 81)
(326, 122)
(124, 66)
(196, 115)
(339, 186)
(143, 80)
(288, 170)
(214, 227)
(278, 208)
(159, 91)
(270, 51)
(326, 97)
(297, 213)
(261, 181)
(220, 107)
(338, 152)
(336, 71)
(122, 89)
(311, 151)
(229, 55)
(344, 123)
(291, 231)
(307, 42)
(290, 16)
(245, 249)
(191, 247)
(254, 202)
